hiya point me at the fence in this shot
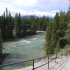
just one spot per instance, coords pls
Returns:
(50, 58)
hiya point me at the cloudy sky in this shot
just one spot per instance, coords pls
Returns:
(34, 7)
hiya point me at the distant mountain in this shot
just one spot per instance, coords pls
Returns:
(49, 17)
(28, 16)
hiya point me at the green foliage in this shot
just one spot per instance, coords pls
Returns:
(7, 26)
(28, 64)
(60, 33)
(24, 27)
(56, 37)
(33, 25)
(63, 21)
(0, 43)
(19, 27)
(68, 33)
(42, 23)
(57, 48)
(50, 38)
(63, 41)
(56, 19)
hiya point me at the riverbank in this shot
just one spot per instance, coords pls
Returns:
(2, 57)
(16, 38)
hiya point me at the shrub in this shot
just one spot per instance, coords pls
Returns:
(63, 41)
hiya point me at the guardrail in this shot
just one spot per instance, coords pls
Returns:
(67, 52)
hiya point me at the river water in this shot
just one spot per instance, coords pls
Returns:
(27, 48)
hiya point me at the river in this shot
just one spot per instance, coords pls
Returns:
(23, 49)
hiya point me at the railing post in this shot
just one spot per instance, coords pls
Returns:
(66, 52)
(62, 55)
(55, 57)
(33, 64)
(69, 51)
(48, 61)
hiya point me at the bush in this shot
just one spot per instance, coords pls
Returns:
(57, 48)
(61, 33)
(63, 41)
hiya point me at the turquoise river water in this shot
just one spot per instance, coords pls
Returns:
(27, 48)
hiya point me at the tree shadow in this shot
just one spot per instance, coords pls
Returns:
(2, 57)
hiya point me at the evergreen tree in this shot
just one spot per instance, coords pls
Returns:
(18, 25)
(48, 37)
(62, 24)
(51, 38)
(24, 28)
(7, 24)
(56, 20)
(0, 43)
(57, 48)
(54, 38)
(33, 25)
(3, 27)
(10, 26)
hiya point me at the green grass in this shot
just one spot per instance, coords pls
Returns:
(28, 64)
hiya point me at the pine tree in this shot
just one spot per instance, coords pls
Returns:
(56, 20)
(48, 37)
(51, 38)
(57, 48)
(33, 25)
(54, 38)
(62, 24)
(24, 28)
(4, 27)
(0, 43)
(16, 24)
(10, 26)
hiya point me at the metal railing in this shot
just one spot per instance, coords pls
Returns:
(67, 52)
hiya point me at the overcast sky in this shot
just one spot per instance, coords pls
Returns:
(34, 7)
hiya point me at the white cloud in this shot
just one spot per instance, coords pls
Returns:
(34, 7)
(37, 13)
(53, 3)
(24, 2)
